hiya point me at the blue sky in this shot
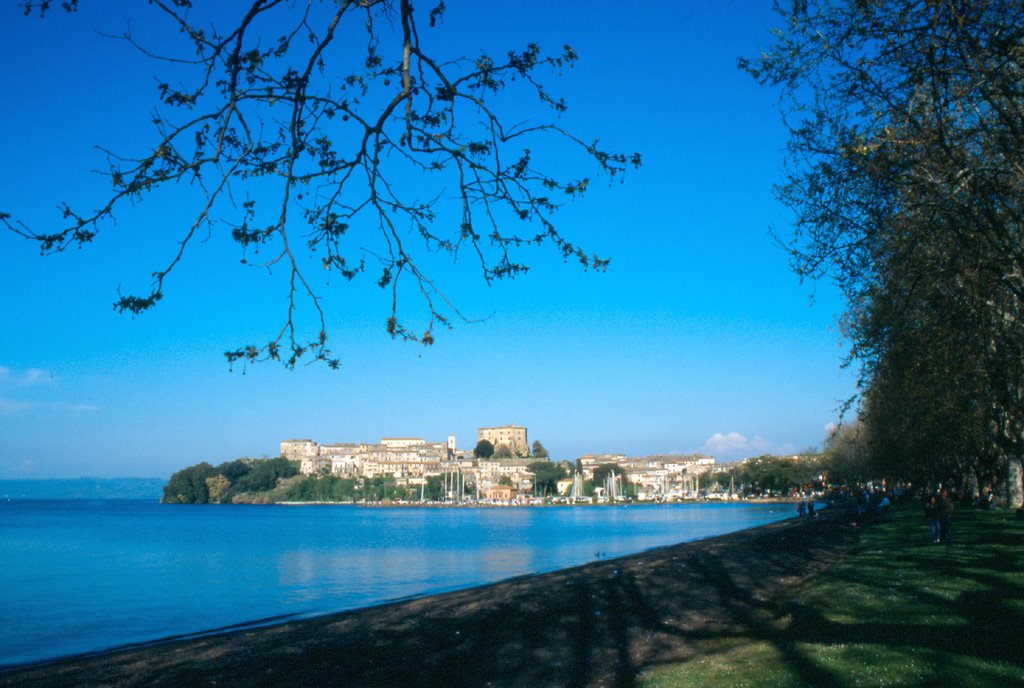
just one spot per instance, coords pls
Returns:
(697, 338)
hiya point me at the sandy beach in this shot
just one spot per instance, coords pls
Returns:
(599, 624)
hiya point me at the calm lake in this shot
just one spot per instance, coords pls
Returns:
(80, 576)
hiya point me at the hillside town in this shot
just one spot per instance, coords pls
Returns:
(502, 467)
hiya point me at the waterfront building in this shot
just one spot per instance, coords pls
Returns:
(490, 472)
(408, 459)
(412, 460)
(589, 462)
(499, 493)
(661, 476)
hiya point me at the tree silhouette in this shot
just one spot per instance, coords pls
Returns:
(305, 156)
(484, 449)
(906, 130)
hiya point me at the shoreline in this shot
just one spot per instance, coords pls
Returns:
(539, 504)
(595, 624)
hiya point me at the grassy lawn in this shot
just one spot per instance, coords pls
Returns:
(899, 611)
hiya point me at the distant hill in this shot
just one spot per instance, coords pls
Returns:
(83, 488)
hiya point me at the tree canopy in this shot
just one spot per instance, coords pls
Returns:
(847, 456)
(484, 449)
(546, 475)
(603, 470)
(906, 130)
(206, 484)
(340, 136)
(774, 474)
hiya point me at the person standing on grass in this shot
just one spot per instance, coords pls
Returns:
(862, 503)
(946, 514)
(933, 514)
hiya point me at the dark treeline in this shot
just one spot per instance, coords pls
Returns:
(843, 461)
(906, 128)
(228, 482)
(278, 480)
(775, 475)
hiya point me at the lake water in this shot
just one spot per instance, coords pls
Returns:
(80, 576)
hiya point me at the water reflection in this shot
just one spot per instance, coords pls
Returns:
(315, 578)
(87, 576)
(357, 557)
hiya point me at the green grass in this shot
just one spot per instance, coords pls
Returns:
(899, 611)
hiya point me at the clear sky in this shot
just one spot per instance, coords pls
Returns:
(698, 337)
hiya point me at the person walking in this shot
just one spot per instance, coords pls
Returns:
(933, 514)
(946, 515)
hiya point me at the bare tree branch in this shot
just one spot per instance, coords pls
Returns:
(275, 102)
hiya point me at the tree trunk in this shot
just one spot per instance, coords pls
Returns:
(971, 484)
(1014, 486)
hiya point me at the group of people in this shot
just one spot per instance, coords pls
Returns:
(875, 502)
(938, 511)
(805, 508)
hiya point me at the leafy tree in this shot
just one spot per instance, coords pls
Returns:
(264, 474)
(539, 451)
(316, 489)
(503, 451)
(217, 488)
(233, 470)
(274, 135)
(603, 470)
(905, 132)
(188, 486)
(379, 488)
(203, 483)
(775, 474)
(846, 455)
(483, 450)
(299, 491)
(546, 476)
(433, 489)
(723, 478)
(344, 489)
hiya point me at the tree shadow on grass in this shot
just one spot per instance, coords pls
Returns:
(880, 615)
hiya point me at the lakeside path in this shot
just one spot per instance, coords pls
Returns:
(600, 624)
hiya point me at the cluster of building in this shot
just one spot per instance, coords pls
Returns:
(658, 476)
(411, 461)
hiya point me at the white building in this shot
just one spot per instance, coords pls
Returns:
(408, 459)
(297, 450)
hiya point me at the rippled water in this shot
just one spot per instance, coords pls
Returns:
(79, 576)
